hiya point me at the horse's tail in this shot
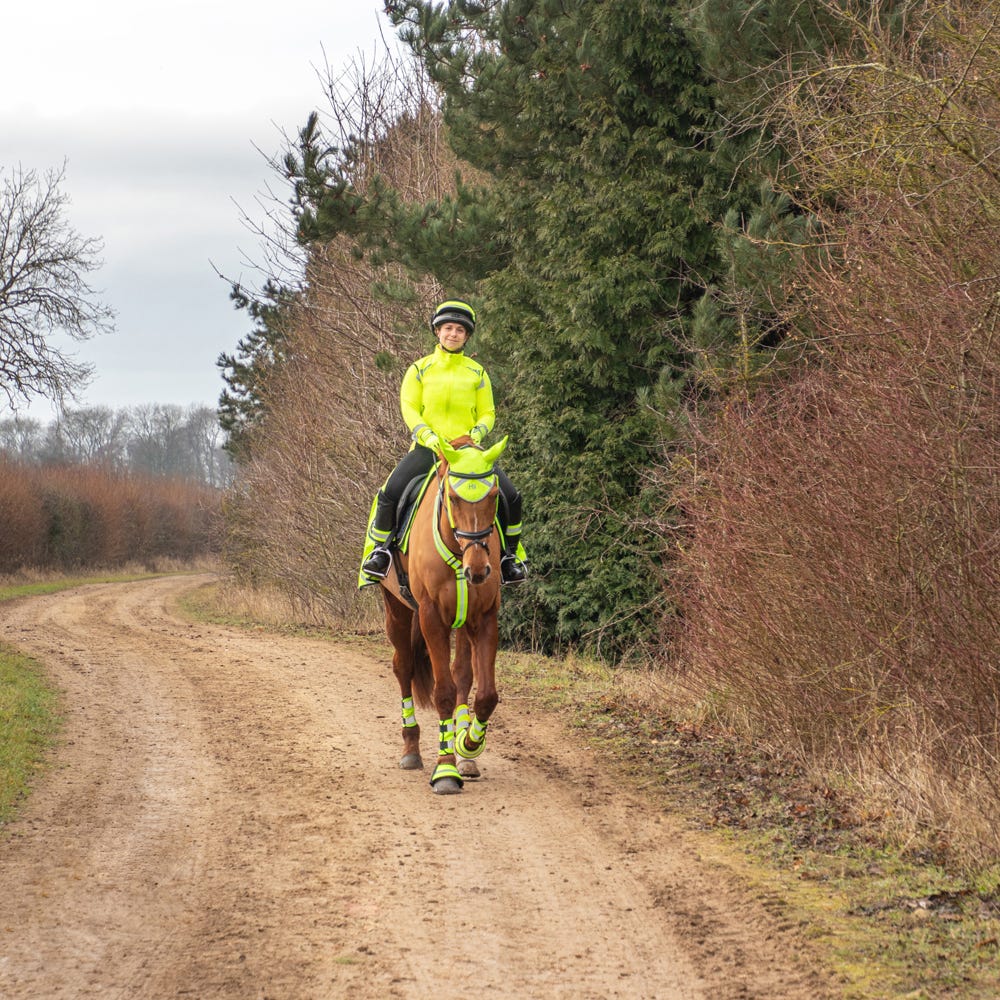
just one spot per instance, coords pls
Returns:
(423, 673)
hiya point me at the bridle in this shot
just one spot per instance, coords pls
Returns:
(465, 539)
(470, 538)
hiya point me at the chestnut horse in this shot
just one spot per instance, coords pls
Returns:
(452, 565)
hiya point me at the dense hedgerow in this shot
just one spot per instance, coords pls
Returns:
(840, 580)
(68, 517)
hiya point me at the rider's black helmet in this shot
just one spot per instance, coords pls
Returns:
(455, 311)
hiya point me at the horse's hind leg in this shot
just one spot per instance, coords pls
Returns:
(398, 623)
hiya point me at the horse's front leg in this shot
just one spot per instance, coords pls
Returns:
(471, 742)
(398, 626)
(461, 670)
(446, 779)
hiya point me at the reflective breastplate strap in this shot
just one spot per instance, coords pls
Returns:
(461, 584)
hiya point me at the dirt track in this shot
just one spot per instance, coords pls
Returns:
(225, 818)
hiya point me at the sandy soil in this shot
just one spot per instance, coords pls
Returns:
(225, 818)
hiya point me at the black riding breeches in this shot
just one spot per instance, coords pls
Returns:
(416, 462)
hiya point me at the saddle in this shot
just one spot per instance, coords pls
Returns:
(405, 512)
(407, 508)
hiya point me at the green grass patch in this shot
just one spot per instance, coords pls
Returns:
(28, 723)
(12, 591)
(29, 720)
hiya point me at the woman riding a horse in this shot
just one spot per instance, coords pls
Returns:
(443, 588)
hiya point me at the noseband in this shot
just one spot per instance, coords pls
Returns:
(474, 538)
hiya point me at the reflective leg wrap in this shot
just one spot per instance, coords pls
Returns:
(446, 739)
(409, 714)
(478, 733)
(474, 735)
(379, 531)
(513, 543)
(461, 718)
(445, 749)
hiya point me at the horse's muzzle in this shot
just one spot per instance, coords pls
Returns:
(477, 576)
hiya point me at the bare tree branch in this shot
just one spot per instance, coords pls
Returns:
(43, 288)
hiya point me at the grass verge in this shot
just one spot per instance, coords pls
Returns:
(891, 920)
(28, 723)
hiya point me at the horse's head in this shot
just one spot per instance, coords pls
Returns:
(470, 490)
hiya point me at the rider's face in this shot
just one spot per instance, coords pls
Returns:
(451, 336)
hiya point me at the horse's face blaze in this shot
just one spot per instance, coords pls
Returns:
(474, 517)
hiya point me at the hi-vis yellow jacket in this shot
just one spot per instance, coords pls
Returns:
(446, 395)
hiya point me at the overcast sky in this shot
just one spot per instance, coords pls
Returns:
(161, 114)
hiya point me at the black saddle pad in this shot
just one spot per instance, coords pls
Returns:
(407, 507)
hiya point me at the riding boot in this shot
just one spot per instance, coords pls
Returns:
(512, 569)
(380, 531)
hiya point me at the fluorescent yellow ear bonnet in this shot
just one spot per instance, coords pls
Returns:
(471, 472)
(472, 489)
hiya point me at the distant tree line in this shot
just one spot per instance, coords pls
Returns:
(150, 440)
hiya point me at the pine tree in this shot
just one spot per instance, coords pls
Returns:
(245, 372)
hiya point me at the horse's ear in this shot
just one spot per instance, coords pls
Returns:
(491, 455)
(446, 451)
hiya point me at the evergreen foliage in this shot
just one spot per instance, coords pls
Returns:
(591, 122)
(241, 403)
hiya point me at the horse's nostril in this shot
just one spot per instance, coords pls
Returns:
(474, 576)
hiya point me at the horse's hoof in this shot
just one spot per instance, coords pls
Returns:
(411, 762)
(447, 786)
(468, 769)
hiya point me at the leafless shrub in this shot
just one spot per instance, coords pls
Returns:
(840, 581)
(296, 517)
(68, 517)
